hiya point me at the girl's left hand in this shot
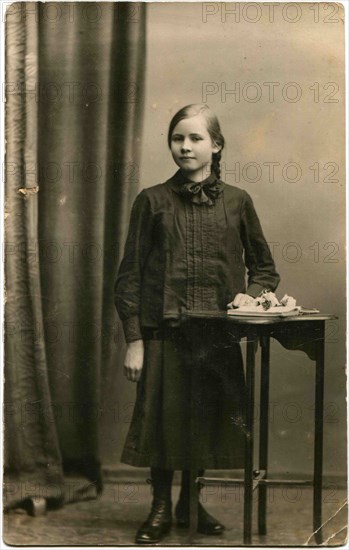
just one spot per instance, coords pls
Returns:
(241, 300)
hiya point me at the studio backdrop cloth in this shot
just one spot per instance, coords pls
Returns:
(74, 105)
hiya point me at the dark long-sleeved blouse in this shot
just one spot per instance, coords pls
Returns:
(179, 254)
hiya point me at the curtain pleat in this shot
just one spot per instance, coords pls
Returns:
(32, 455)
(72, 162)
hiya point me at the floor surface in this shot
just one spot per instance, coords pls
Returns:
(114, 517)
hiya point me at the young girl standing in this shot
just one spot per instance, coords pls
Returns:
(189, 243)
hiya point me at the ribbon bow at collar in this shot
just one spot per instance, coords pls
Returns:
(204, 192)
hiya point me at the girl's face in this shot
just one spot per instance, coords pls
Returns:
(192, 147)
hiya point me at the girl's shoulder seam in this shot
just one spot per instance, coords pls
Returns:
(154, 193)
(234, 188)
(236, 193)
(154, 187)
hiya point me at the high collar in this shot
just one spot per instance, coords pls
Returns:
(206, 191)
(179, 179)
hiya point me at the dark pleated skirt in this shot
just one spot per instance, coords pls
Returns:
(190, 405)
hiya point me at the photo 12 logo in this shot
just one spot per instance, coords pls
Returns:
(69, 12)
(273, 171)
(253, 92)
(253, 12)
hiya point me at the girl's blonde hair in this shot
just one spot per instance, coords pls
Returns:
(213, 129)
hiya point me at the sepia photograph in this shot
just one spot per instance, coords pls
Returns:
(174, 274)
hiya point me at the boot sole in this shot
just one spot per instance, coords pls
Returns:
(154, 541)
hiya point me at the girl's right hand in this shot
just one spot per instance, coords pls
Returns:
(134, 360)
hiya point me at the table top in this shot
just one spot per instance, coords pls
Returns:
(248, 320)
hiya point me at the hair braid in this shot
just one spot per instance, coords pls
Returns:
(216, 163)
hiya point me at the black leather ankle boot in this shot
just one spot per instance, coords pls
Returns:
(207, 524)
(158, 523)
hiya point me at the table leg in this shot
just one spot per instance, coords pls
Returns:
(248, 481)
(263, 433)
(318, 446)
(193, 505)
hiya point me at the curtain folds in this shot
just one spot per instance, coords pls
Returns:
(74, 103)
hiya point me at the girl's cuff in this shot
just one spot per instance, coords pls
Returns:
(132, 329)
(254, 290)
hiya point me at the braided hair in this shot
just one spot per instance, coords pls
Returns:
(213, 129)
(216, 163)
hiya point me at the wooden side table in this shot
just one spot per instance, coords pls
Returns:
(303, 332)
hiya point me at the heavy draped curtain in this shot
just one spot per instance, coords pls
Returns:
(74, 100)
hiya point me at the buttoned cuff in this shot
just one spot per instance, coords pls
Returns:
(254, 290)
(132, 329)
